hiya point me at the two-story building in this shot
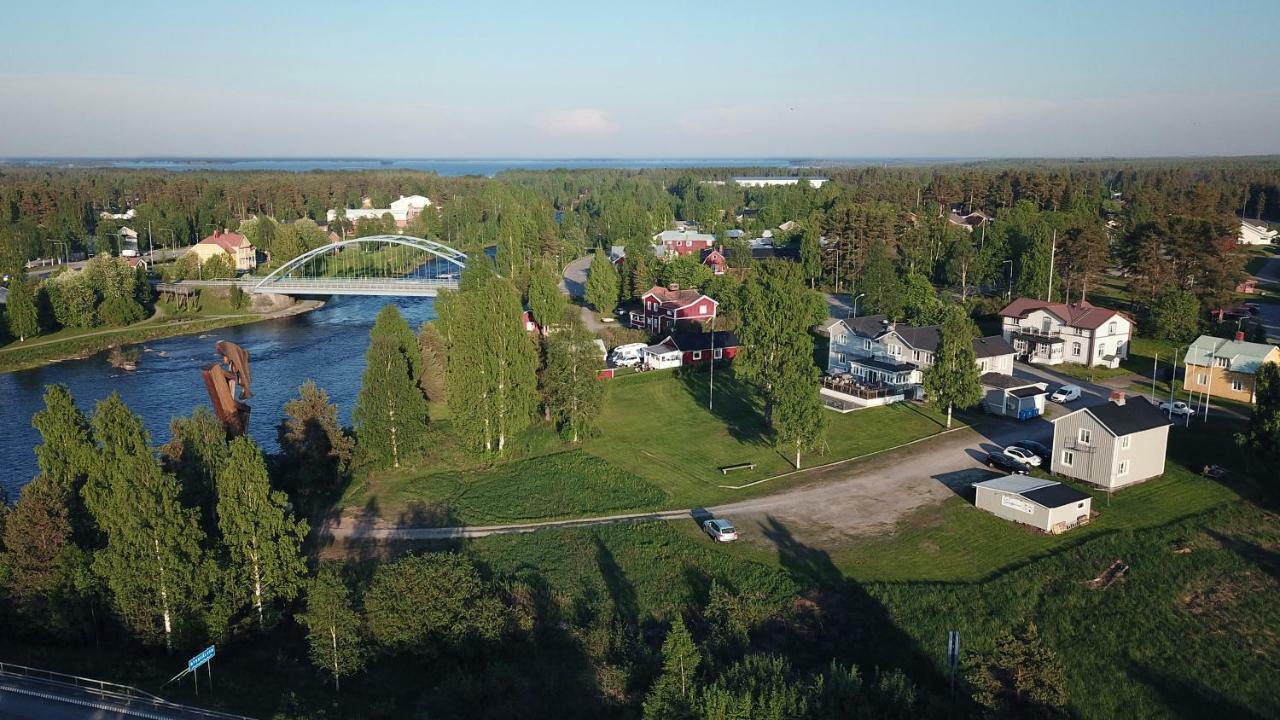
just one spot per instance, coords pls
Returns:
(234, 246)
(1226, 368)
(1112, 445)
(878, 355)
(683, 242)
(664, 308)
(1050, 333)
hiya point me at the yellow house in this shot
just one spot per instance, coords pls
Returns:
(242, 254)
(1226, 368)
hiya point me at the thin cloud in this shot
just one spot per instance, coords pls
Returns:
(577, 123)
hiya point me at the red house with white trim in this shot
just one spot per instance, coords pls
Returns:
(715, 260)
(662, 308)
(696, 348)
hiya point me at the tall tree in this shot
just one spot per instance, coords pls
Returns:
(798, 423)
(672, 694)
(880, 283)
(601, 291)
(546, 302)
(24, 321)
(777, 311)
(954, 380)
(152, 562)
(313, 441)
(811, 257)
(573, 392)
(36, 540)
(391, 413)
(335, 633)
(263, 541)
(1261, 439)
(195, 452)
(66, 451)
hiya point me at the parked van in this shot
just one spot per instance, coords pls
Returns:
(1066, 394)
(626, 355)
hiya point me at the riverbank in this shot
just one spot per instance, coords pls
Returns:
(37, 352)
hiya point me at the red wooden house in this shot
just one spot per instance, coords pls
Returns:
(696, 348)
(662, 308)
(714, 259)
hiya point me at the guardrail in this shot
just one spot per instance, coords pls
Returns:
(103, 690)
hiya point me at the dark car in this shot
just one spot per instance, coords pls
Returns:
(1036, 448)
(1007, 463)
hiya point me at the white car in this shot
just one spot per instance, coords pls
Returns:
(1023, 455)
(1177, 407)
(720, 530)
(1066, 394)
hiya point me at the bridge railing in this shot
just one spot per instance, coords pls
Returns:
(106, 690)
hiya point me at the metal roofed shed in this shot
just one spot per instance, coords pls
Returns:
(1047, 505)
(1013, 397)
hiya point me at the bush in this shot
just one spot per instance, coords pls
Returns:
(120, 311)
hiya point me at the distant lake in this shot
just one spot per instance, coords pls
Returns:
(486, 167)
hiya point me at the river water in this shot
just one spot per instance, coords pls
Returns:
(326, 345)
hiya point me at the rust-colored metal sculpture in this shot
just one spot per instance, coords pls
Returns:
(221, 382)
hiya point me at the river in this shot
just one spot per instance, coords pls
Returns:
(326, 345)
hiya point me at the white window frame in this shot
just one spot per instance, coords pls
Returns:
(1084, 436)
(719, 353)
(1122, 468)
(1068, 458)
(1237, 385)
(1111, 328)
(697, 354)
(1222, 362)
(1125, 442)
(1075, 348)
(1202, 379)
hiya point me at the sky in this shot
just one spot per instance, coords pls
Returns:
(807, 79)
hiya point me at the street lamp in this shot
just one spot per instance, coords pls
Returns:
(1009, 282)
(855, 304)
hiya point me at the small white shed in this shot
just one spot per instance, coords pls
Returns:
(661, 356)
(1043, 504)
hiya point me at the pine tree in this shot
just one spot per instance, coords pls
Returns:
(777, 311)
(24, 320)
(152, 561)
(1020, 677)
(263, 542)
(954, 379)
(602, 284)
(798, 422)
(811, 257)
(311, 437)
(545, 299)
(334, 631)
(391, 413)
(36, 534)
(573, 392)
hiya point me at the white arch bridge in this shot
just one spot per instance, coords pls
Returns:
(399, 265)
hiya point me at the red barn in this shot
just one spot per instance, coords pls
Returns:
(714, 259)
(661, 308)
(696, 348)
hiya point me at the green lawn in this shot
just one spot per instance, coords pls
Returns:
(658, 426)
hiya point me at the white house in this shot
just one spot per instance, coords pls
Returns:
(1050, 333)
(402, 210)
(126, 215)
(1256, 234)
(777, 181)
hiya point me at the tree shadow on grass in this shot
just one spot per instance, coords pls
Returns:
(620, 590)
(1266, 559)
(840, 620)
(731, 402)
(1184, 697)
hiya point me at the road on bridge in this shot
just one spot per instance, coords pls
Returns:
(31, 698)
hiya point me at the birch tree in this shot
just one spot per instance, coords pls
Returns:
(262, 540)
(152, 561)
(545, 299)
(799, 425)
(954, 380)
(777, 311)
(24, 320)
(335, 633)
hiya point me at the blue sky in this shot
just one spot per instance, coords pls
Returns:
(651, 79)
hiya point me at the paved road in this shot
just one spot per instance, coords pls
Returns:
(160, 256)
(1270, 312)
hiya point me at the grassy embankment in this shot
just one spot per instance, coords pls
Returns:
(69, 343)
(658, 446)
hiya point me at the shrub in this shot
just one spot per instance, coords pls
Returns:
(120, 311)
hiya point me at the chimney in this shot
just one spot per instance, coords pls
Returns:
(673, 287)
(1239, 336)
(217, 232)
(1117, 397)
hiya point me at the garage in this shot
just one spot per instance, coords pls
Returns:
(1046, 505)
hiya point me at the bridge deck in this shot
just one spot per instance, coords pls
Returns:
(399, 287)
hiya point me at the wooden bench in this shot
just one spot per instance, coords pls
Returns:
(730, 468)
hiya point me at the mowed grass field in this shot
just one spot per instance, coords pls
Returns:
(658, 446)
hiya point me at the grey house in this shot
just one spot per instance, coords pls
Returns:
(1043, 504)
(1112, 445)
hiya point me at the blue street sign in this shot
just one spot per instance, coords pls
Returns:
(205, 656)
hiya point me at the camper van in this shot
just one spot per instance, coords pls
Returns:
(626, 355)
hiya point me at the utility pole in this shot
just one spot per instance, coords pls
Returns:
(1009, 281)
(1155, 370)
(1208, 388)
(711, 386)
(1053, 250)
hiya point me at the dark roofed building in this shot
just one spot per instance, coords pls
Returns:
(1111, 445)
(1043, 504)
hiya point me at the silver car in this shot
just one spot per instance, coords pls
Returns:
(720, 530)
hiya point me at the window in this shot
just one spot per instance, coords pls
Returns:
(916, 355)
(1075, 348)
(841, 338)
(697, 354)
(866, 344)
(839, 356)
(1068, 458)
(895, 350)
(719, 353)
(1221, 362)
(1102, 349)
(1202, 378)
(1125, 442)
(1045, 325)
(1111, 328)
(1084, 436)
(1237, 384)
(1122, 469)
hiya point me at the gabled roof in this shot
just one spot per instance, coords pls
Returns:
(992, 346)
(1243, 357)
(228, 241)
(1136, 415)
(674, 299)
(1082, 315)
(670, 236)
(702, 341)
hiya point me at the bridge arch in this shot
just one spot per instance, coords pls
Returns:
(440, 250)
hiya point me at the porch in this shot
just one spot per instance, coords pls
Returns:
(845, 393)
(1038, 349)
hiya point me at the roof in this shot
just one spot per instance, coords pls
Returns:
(1028, 391)
(1136, 415)
(1081, 315)
(703, 341)
(882, 364)
(676, 298)
(1007, 382)
(1015, 483)
(924, 337)
(992, 346)
(1055, 496)
(668, 236)
(1244, 357)
(663, 348)
(228, 241)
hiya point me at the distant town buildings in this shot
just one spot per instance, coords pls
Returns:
(1050, 333)
(126, 215)
(1256, 234)
(242, 254)
(401, 211)
(777, 181)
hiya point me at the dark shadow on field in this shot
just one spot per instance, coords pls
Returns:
(620, 589)
(840, 620)
(1266, 559)
(961, 482)
(731, 401)
(1185, 698)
